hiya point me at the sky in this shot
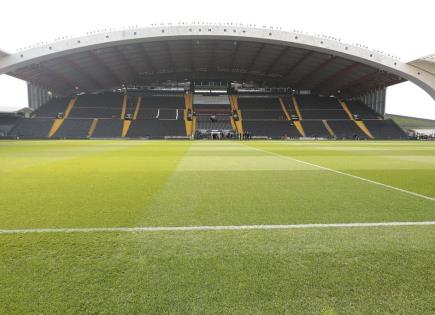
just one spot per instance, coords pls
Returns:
(400, 28)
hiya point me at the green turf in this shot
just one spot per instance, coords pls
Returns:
(55, 184)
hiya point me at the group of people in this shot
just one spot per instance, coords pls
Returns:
(246, 135)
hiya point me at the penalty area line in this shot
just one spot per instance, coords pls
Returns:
(345, 174)
(217, 227)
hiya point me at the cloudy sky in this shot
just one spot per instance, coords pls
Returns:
(401, 28)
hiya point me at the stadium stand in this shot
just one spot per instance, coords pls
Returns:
(315, 129)
(108, 128)
(274, 129)
(32, 128)
(385, 129)
(212, 113)
(156, 129)
(7, 123)
(346, 129)
(165, 115)
(364, 112)
(52, 108)
(73, 128)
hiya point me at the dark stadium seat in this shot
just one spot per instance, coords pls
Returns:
(346, 129)
(7, 123)
(317, 102)
(271, 129)
(108, 128)
(259, 103)
(385, 129)
(73, 128)
(164, 102)
(222, 122)
(358, 108)
(324, 114)
(315, 128)
(52, 108)
(156, 129)
(32, 128)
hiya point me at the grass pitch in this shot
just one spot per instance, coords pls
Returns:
(76, 184)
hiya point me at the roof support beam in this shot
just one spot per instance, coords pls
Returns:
(192, 48)
(276, 60)
(234, 55)
(333, 78)
(76, 67)
(296, 64)
(315, 71)
(358, 81)
(113, 76)
(170, 60)
(212, 60)
(126, 63)
(256, 56)
(69, 84)
(146, 59)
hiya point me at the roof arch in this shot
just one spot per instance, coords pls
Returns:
(219, 52)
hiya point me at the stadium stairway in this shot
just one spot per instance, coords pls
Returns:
(328, 127)
(297, 123)
(136, 110)
(125, 126)
(93, 127)
(235, 107)
(59, 121)
(190, 124)
(284, 109)
(359, 123)
(296, 107)
(124, 106)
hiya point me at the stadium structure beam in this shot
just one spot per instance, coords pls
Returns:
(113, 76)
(212, 59)
(146, 59)
(168, 54)
(192, 50)
(296, 64)
(69, 84)
(276, 60)
(254, 60)
(421, 71)
(126, 63)
(234, 55)
(358, 81)
(330, 80)
(315, 71)
(75, 66)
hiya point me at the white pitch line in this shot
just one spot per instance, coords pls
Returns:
(346, 174)
(217, 227)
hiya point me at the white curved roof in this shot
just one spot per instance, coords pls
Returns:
(302, 61)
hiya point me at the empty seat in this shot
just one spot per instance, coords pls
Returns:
(346, 129)
(272, 128)
(74, 129)
(358, 108)
(157, 129)
(95, 112)
(315, 128)
(385, 129)
(32, 128)
(108, 128)
(324, 114)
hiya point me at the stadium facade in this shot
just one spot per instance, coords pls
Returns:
(179, 81)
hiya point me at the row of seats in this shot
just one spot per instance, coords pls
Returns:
(76, 128)
(222, 122)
